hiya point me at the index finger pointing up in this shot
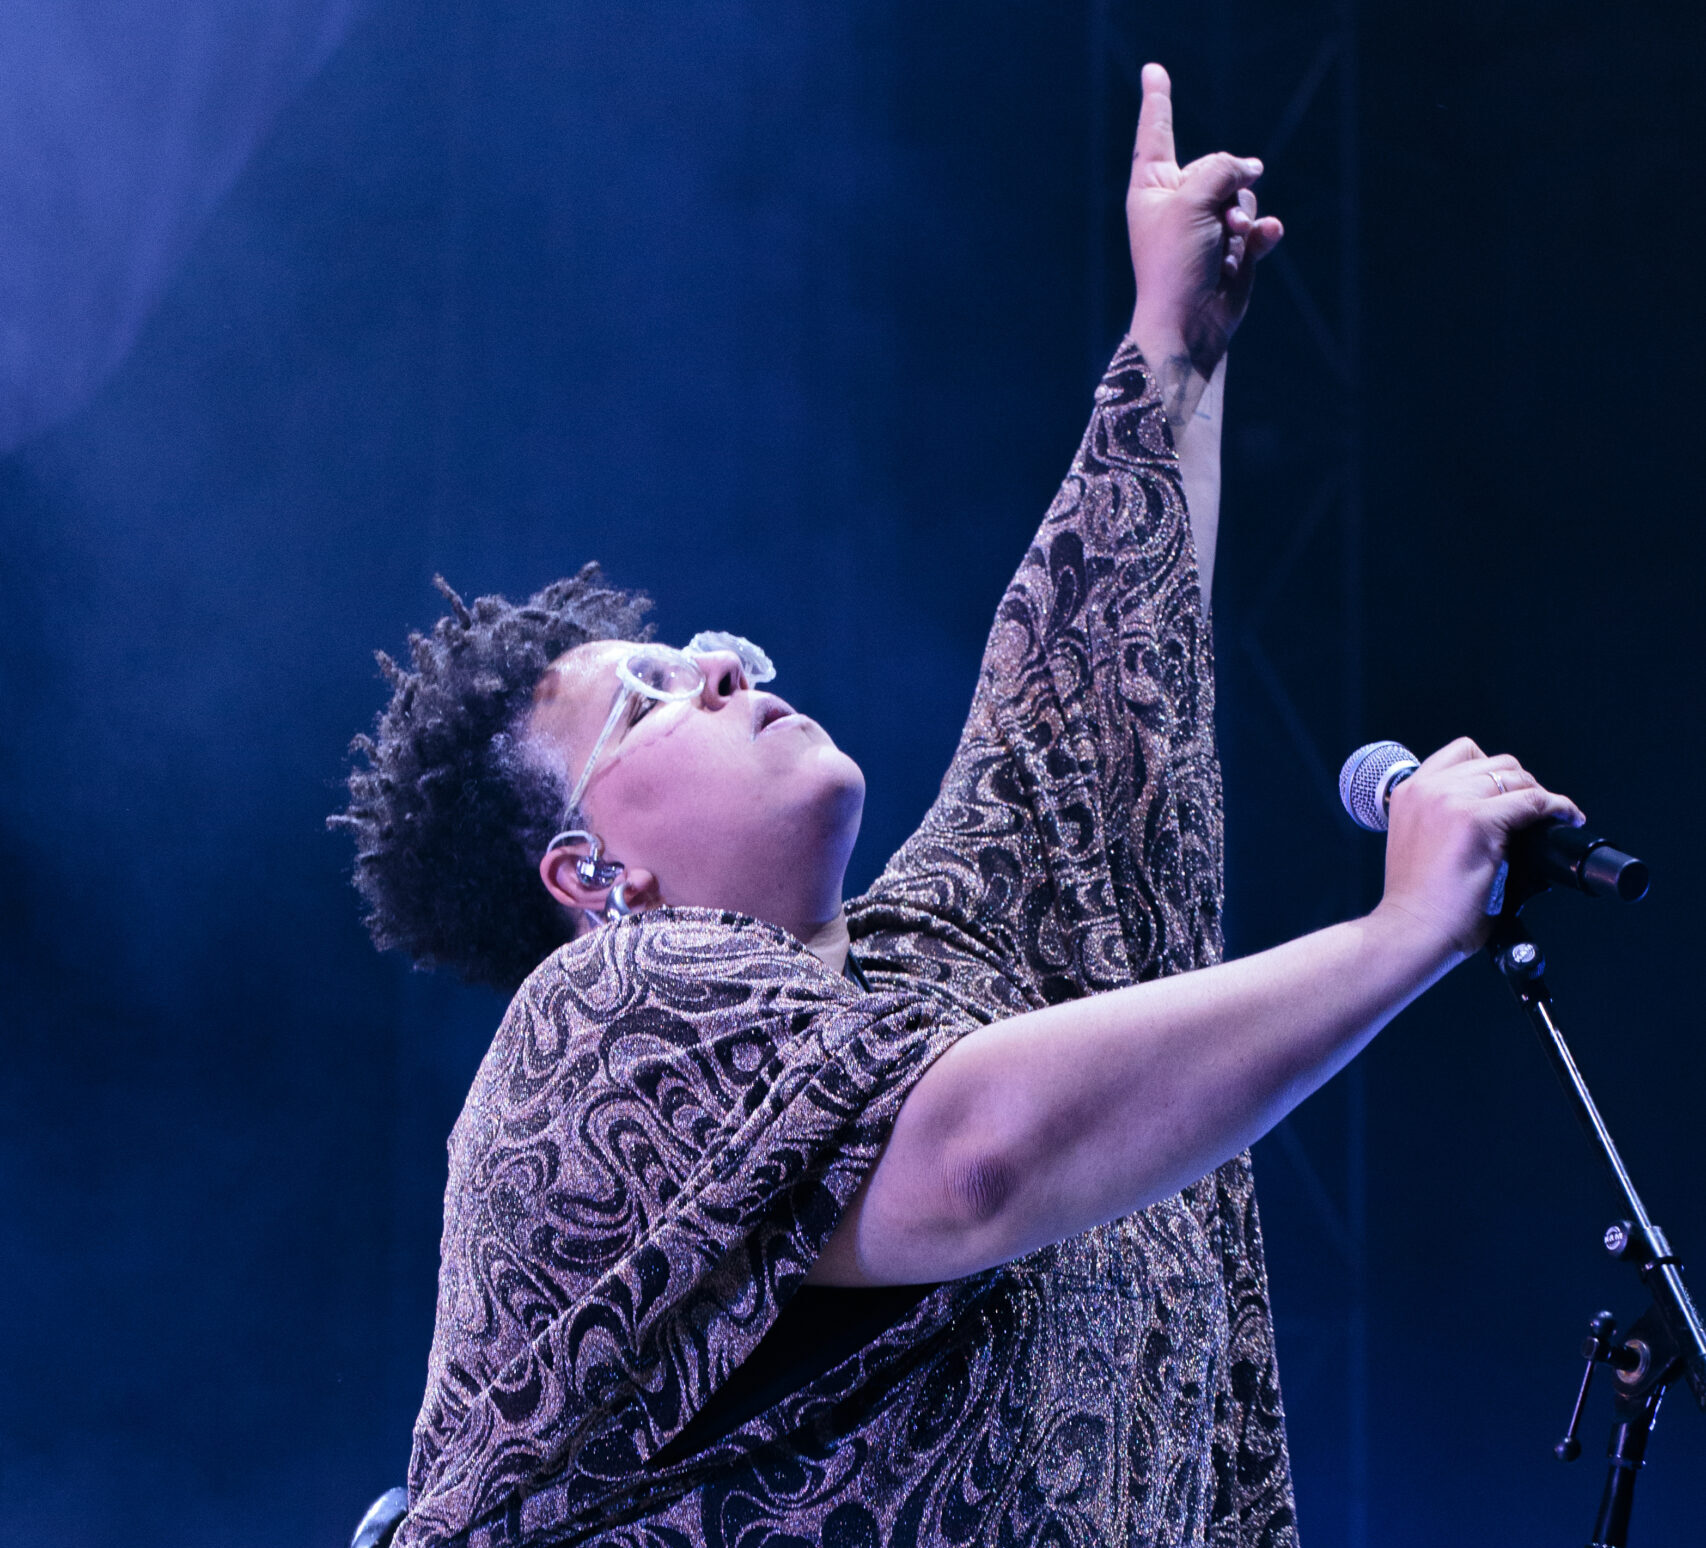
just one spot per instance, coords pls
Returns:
(1155, 118)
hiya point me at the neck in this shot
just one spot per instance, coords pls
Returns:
(830, 942)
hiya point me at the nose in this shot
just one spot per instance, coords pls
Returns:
(724, 678)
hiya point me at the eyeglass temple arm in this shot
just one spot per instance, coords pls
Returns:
(610, 721)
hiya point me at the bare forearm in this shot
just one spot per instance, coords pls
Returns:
(1191, 398)
(1199, 471)
(1043, 1125)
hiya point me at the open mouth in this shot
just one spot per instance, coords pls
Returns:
(770, 710)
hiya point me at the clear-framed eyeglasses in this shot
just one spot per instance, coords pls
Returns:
(660, 673)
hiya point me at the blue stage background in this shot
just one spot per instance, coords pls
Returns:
(779, 311)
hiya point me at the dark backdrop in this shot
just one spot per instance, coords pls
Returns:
(781, 312)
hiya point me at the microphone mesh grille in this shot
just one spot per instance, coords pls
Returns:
(1361, 778)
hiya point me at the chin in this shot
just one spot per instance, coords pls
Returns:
(846, 787)
(826, 821)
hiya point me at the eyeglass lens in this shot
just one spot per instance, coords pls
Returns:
(664, 672)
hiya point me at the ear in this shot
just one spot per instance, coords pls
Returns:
(563, 882)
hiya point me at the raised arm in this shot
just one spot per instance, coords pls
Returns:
(1195, 240)
(1076, 840)
(1040, 1126)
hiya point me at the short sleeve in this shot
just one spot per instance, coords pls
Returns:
(661, 1140)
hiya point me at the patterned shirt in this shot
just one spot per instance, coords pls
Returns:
(679, 1105)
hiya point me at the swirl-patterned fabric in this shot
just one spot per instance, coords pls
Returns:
(678, 1106)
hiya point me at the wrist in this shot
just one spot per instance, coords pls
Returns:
(1158, 337)
(1414, 939)
(1177, 378)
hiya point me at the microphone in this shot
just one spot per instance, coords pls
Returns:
(1545, 854)
(1368, 778)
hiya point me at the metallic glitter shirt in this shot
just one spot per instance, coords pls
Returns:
(678, 1106)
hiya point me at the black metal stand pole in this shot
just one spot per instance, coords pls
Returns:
(1628, 1447)
(1667, 1341)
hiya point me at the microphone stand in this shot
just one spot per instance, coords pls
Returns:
(1666, 1341)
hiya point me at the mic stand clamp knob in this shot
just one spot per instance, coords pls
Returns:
(1597, 1346)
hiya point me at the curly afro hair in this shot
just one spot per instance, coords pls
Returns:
(450, 815)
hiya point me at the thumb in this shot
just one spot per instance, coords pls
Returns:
(1213, 181)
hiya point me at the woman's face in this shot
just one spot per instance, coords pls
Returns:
(730, 799)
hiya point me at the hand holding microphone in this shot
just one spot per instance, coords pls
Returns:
(1452, 820)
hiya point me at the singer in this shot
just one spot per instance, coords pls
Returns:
(925, 1218)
